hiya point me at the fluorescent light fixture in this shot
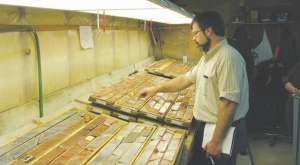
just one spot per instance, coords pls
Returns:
(156, 10)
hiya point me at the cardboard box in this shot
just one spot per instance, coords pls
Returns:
(254, 16)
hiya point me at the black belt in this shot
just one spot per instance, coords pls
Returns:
(232, 124)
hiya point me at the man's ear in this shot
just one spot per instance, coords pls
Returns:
(208, 31)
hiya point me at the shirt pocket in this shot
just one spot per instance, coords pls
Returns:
(206, 86)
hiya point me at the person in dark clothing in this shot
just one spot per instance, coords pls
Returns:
(242, 43)
(287, 53)
(240, 34)
(244, 48)
(293, 87)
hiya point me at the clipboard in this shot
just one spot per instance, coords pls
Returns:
(227, 142)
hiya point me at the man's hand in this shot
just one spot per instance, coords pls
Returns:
(174, 85)
(146, 93)
(213, 149)
(291, 89)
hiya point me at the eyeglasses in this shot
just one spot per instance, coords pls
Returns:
(195, 33)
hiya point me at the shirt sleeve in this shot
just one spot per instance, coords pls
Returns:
(192, 74)
(292, 72)
(231, 73)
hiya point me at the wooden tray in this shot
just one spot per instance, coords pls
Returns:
(109, 94)
(99, 110)
(16, 147)
(181, 113)
(169, 68)
(161, 146)
(125, 146)
(103, 94)
(175, 69)
(187, 130)
(178, 123)
(124, 116)
(130, 103)
(63, 139)
(149, 122)
(158, 106)
(157, 66)
(98, 140)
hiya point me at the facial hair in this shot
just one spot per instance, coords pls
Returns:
(204, 47)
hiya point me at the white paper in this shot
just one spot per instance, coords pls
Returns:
(227, 142)
(86, 37)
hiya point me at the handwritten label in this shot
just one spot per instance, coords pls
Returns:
(176, 122)
(151, 116)
(101, 102)
(126, 110)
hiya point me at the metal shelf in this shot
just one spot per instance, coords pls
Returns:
(261, 23)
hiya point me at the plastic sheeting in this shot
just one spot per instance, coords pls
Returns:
(9, 15)
(35, 16)
(54, 60)
(18, 73)
(73, 18)
(64, 62)
(176, 43)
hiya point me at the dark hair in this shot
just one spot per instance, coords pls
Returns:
(210, 19)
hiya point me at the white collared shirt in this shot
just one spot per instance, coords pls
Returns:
(221, 72)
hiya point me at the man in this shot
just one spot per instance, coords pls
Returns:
(292, 83)
(221, 89)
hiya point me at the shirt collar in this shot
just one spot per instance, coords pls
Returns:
(210, 53)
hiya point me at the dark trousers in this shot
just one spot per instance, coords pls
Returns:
(199, 155)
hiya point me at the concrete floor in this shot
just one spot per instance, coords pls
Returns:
(262, 154)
